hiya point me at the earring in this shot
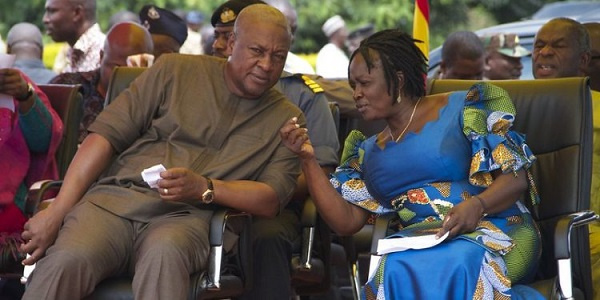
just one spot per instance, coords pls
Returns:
(399, 99)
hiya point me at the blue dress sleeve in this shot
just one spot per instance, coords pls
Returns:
(348, 177)
(487, 123)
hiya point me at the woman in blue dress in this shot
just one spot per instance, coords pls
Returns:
(446, 163)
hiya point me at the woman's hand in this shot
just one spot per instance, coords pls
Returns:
(12, 83)
(462, 218)
(181, 184)
(39, 233)
(296, 139)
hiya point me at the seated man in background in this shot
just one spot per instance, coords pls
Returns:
(24, 40)
(593, 71)
(561, 48)
(593, 68)
(122, 40)
(274, 238)
(218, 139)
(30, 132)
(503, 56)
(168, 31)
(462, 57)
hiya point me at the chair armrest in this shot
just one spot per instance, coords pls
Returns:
(308, 221)
(382, 224)
(562, 247)
(564, 226)
(37, 193)
(218, 225)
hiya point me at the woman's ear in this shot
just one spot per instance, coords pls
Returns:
(400, 75)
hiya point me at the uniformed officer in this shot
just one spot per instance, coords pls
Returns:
(274, 239)
(168, 30)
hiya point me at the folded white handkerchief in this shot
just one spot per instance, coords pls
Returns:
(152, 175)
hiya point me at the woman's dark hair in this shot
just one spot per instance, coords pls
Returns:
(398, 52)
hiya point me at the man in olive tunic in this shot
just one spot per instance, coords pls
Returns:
(207, 120)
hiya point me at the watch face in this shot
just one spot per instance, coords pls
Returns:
(207, 197)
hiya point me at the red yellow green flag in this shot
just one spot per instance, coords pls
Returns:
(421, 25)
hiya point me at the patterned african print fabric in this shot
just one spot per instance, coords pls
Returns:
(84, 56)
(93, 101)
(423, 177)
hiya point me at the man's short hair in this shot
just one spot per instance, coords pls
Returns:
(24, 33)
(462, 44)
(578, 30)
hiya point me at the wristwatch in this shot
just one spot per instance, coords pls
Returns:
(208, 195)
(30, 91)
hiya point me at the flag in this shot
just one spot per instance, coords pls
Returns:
(421, 25)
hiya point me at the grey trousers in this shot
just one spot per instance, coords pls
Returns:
(94, 244)
(273, 242)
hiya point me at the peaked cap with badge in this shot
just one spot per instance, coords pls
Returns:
(161, 21)
(226, 14)
(506, 44)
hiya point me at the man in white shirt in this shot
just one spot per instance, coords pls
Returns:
(332, 61)
(74, 22)
(294, 64)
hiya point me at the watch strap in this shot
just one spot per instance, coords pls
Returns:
(30, 91)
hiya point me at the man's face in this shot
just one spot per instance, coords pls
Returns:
(59, 20)
(556, 52)
(220, 45)
(257, 58)
(500, 66)
(462, 68)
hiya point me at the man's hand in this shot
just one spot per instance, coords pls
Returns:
(296, 139)
(180, 184)
(39, 233)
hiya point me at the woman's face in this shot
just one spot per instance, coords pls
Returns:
(370, 89)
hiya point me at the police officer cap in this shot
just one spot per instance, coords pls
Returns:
(161, 21)
(226, 14)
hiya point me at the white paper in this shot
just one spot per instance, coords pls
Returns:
(373, 264)
(7, 61)
(27, 271)
(396, 244)
(140, 60)
(152, 175)
(404, 243)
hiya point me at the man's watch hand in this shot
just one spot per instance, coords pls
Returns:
(208, 195)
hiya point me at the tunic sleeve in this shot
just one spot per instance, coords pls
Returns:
(348, 177)
(487, 123)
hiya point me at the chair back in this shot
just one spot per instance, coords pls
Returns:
(67, 101)
(556, 117)
(120, 79)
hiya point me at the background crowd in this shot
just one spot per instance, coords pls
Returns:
(90, 50)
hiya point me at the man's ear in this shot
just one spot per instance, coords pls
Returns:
(442, 69)
(231, 42)
(584, 61)
(486, 61)
(78, 13)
